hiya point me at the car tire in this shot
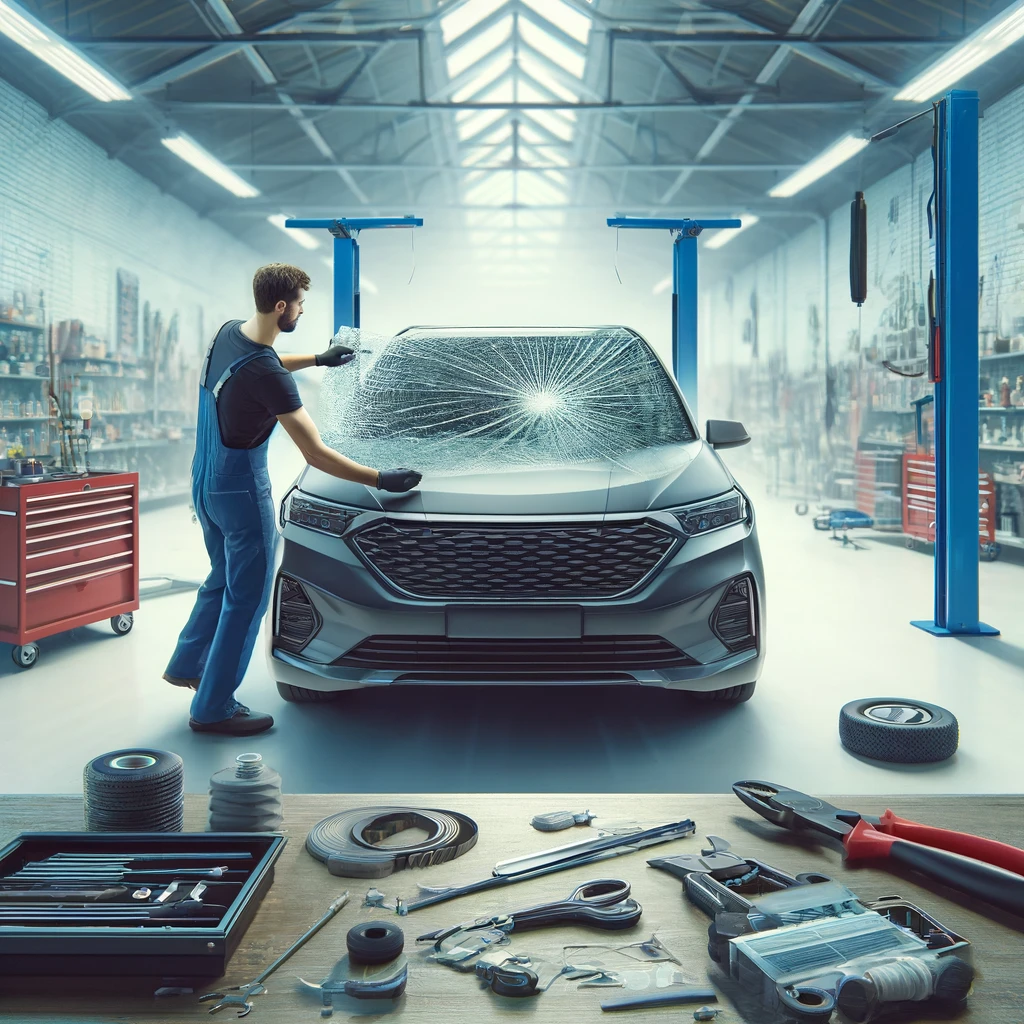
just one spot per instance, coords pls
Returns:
(300, 695)
(730, 695)
(930, 734)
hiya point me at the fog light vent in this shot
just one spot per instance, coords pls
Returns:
(297, 620)
(735, 619)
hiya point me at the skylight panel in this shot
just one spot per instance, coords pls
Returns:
(494, 190)
(557, 126)
(490, 71)
(535, 190)
(477, 49)
(554, 49)
(472, 122)
(572, 22)
(544, 77)
(463, 18)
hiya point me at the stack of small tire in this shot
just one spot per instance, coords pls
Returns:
(135, 790)
(900, 730)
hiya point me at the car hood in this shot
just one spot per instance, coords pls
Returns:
(654, 478)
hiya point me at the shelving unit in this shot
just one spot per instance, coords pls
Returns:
(1004, 461)
(22, 349)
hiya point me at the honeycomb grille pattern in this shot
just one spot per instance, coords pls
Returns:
(576, 561)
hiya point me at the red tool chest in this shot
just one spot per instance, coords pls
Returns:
(69, 556)
(919, 503)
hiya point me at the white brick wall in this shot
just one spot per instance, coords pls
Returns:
(70, 217)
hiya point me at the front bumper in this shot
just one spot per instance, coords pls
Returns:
(676, 605)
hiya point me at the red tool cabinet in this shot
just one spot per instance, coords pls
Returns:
(69, 556)
(919, 504)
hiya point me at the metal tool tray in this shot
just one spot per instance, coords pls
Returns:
(186, 951)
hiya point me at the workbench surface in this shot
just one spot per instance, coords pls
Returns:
(303, 888)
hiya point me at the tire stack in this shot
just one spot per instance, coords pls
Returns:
(135, 790)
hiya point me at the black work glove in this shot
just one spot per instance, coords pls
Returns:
(336, 355)
(398, 480)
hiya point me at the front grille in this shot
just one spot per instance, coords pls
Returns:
(297, 620)
(545, 561)
(584, 657)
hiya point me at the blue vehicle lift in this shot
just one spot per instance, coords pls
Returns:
(346, 257)
(684, 290)
(954, 370)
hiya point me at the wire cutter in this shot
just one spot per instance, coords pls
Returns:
(983, 868)
(603, 903)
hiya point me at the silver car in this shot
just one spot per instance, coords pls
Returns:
(571, 527)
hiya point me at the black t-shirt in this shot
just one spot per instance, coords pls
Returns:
(254, 396)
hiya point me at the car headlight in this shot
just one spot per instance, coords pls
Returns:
(322, 516)
(725, 510)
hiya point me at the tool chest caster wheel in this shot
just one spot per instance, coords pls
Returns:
(25, 656)
(122, 624)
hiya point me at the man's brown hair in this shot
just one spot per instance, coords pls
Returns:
(277, 282)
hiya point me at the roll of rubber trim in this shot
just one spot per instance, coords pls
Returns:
(346, 842)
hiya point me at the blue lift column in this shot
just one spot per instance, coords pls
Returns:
(346, 257)
(954, 369)
(684, 291)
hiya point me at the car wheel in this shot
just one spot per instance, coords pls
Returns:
(300, 695)
(730, 695)
(899, 730)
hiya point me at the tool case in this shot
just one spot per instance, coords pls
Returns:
(69, 556)
(190, 950)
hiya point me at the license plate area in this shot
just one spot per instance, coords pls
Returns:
(466, 623)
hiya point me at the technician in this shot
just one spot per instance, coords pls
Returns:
(246, 388)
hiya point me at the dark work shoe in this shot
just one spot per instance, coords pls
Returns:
(191, 684)
(242, 723)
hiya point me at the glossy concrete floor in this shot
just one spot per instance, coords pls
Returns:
(838, 629)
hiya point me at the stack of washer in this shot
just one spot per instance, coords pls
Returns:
(135, 790)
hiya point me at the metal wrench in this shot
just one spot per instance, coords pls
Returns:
(239, 995)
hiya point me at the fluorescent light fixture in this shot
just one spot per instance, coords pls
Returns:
(192, 153)
(838, 153)
(993, 37)
(45, 44)
(303, 237)
(725, 235)
(662, 286)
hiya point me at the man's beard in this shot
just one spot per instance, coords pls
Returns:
(286, 326)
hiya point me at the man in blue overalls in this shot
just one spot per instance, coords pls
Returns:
(245, 390)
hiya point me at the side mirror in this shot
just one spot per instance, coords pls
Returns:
(726, 433)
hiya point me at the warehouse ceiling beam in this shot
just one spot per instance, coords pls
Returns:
(360, 106)
(570, 168)
(813, 13)
(270, 38)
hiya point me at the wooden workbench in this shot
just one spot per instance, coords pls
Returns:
(303, 888)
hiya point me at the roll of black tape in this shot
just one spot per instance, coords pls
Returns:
(134, 790)
(346, 842)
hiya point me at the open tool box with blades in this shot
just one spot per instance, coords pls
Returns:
(126, 904)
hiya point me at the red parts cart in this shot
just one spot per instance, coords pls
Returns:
(919, 505)
(69, 556)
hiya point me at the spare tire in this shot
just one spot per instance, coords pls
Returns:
(898, 729)
(374, 942)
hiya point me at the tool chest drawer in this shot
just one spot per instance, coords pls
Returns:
(68, 553)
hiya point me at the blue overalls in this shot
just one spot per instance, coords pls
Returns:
(231, 495)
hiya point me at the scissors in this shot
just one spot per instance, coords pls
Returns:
(603, 903)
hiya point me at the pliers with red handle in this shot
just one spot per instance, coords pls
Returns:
(983, 868)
